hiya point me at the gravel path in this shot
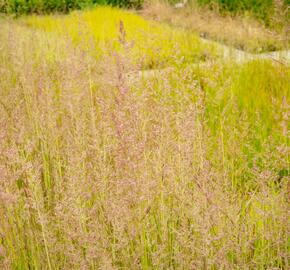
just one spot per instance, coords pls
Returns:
(241, 56)
(226, 53)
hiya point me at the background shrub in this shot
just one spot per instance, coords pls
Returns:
(48, 6)
(262, 9)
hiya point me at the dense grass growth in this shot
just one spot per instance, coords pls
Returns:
(241, 32)
(151, 44)
(188, 169)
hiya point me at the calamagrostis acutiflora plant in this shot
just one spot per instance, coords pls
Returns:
(99, 171)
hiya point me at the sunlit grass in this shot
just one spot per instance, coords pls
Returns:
(152, 44)
(187, 169)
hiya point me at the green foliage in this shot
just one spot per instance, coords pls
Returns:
(40, 6)
(262, 9)
(47, 6)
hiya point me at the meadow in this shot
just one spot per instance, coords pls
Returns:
(151, 44)
(245, 29)
(104, 165)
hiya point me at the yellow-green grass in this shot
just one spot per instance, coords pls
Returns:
(152, 44)
(187, 170)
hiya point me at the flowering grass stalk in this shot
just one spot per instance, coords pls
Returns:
(188, 170)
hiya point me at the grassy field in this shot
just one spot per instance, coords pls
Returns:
(241, 30)
(150, 44)
(185, 169)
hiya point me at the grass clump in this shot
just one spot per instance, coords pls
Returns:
(98, 170)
